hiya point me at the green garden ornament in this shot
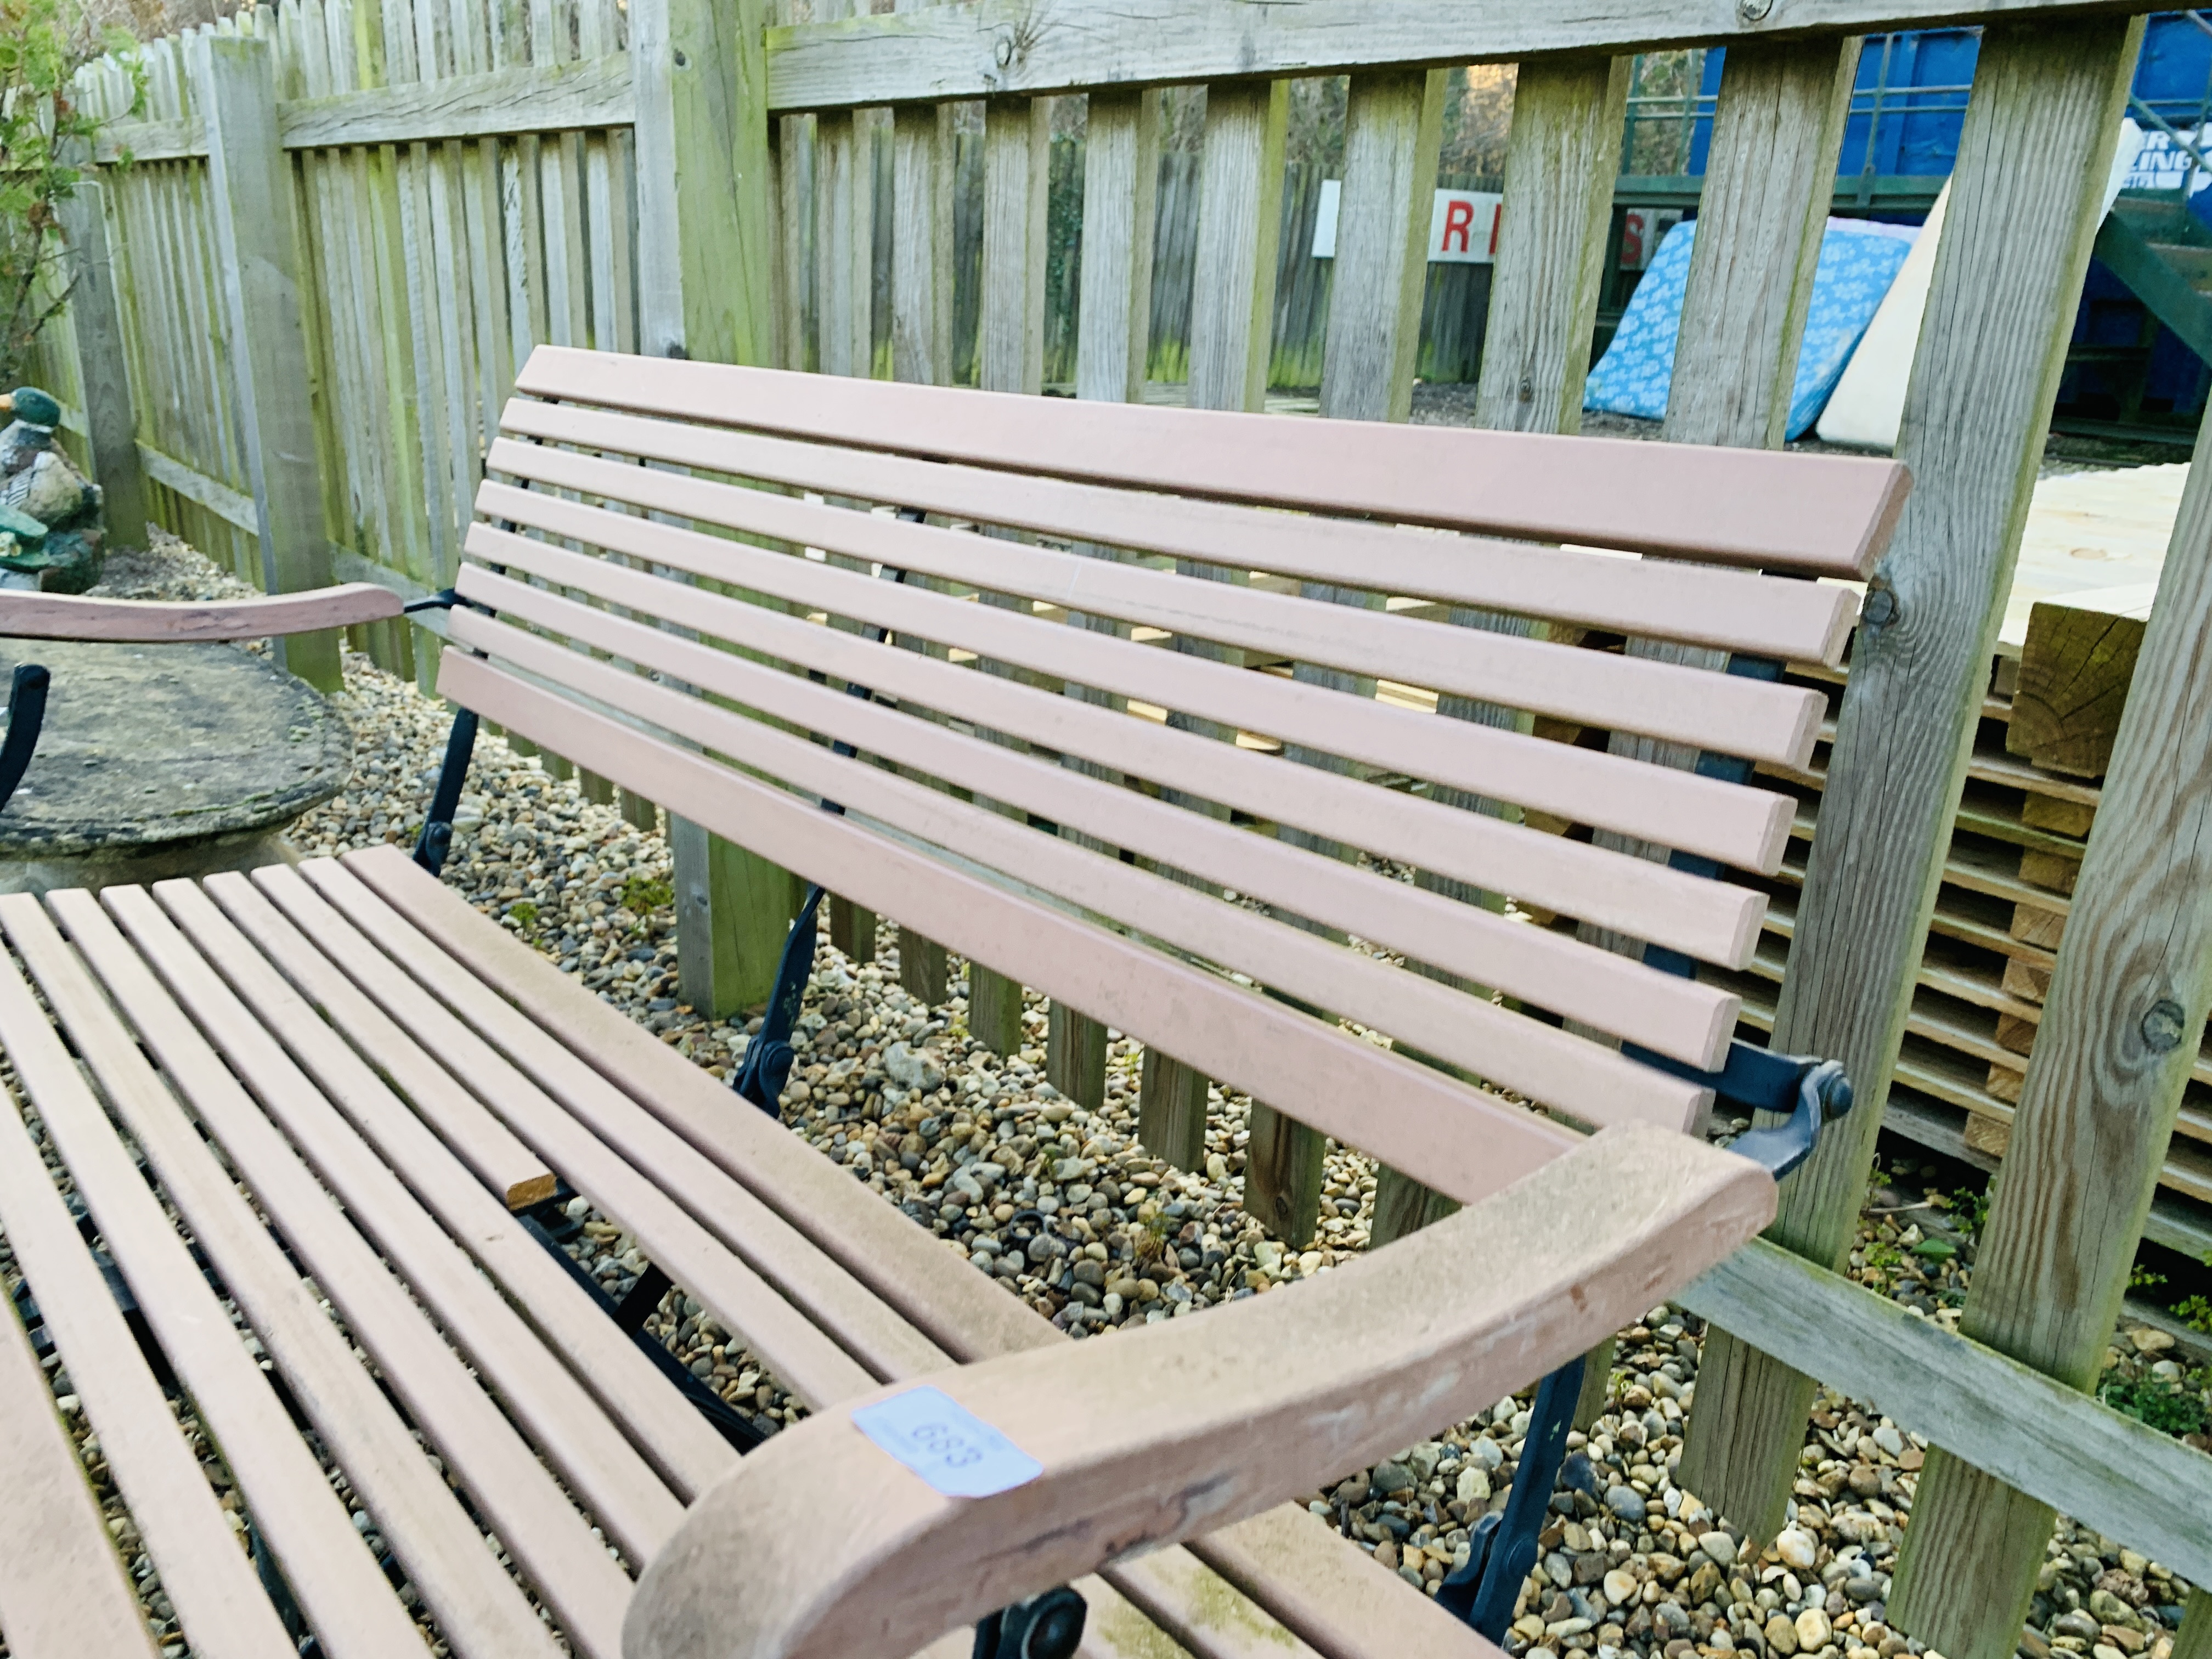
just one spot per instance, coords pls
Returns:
(50, 516)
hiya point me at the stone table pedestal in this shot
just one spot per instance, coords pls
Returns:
(164, 760)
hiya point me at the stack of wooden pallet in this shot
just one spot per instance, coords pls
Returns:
(2057, 684)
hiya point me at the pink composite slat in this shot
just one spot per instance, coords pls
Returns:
(1537, 1061)
(838, 1305)
(1727, 609)
(1680, 1018)
(412, 914)
(1747, 828)
(608, 1475)
(1105, 976)
(338, 1583)
(552, 1545)
(1817, 515)
(1728, 714)
(1713, 921)
(59, 617)
(546, 1023)
(1336, 1597)
(802, 1356)
(219, 1600)
(687, 1452)
(63, 1594)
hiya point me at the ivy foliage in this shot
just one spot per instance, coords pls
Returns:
(45, 140)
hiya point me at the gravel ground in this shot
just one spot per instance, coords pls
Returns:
(1064, 1207)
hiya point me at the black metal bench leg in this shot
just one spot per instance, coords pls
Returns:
(770, 1056)
(1048, 1626)
(26, 713)
(1502, 1548)
(437, 839)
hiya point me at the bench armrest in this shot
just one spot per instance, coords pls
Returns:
(57, 616)
(1190, 1425)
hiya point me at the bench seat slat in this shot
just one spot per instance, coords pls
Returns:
(970, 1316)
(1732, 715)
(1409, 1115)
(1825, 515)
(1727, 609)
(884, 1344)
(63, 1594)
(1713, 921)
(209, 1580)
(1747, 828)
(1333, 1592)
(1593, 1082)
(686, 1451)
(548, 1539)
(609, 1477)
(340, 1587)
(1681, 1018)
(412, 915)
(803, 1357)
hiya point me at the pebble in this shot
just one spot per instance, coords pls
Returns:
(1795, 1548)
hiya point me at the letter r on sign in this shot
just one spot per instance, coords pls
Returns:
(1459, 221)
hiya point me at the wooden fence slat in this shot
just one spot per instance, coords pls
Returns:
(1560, 163)
(1239, 223)
(1120, 188)
(1232, 313)
(95, 317)
(845, 210)
(1393, 127)
(706, 289)
(1777, 132)
(1010, 357)
(922, 150)
(2104, 1087)
(250, 186)
(1016, 137)
(2024, 203)
(1562, 157)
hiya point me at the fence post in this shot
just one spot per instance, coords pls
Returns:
(250, 192)
(2104, 1087)
(706, 289)
(2026, 202)
(96, 323)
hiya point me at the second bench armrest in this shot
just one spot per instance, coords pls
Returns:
(148, 622)
(1190, 1425)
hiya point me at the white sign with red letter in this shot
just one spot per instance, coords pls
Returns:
(1462, 225)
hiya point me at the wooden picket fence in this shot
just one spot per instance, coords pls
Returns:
(348, 220)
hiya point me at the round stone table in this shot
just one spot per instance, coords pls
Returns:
(164, 760)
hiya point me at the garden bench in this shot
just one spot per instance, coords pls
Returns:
(631, 600)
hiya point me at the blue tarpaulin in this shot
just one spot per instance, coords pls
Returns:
(1858, 262)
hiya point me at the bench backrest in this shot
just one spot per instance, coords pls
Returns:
(663, 541)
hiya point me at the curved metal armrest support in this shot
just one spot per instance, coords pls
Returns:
(62, 617)
(1191, 1424)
